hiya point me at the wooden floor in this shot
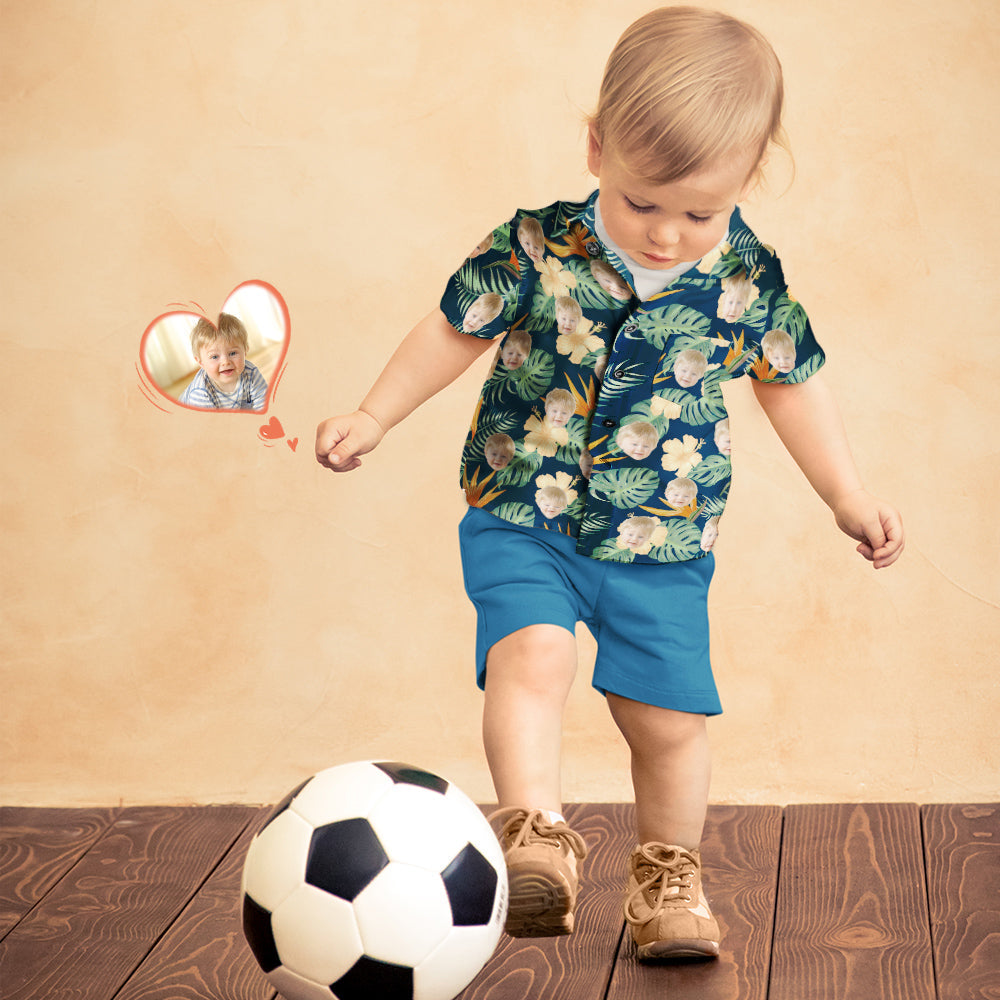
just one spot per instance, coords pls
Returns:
(841, 902)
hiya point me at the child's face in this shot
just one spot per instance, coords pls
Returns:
(550, 505)
(634, 446)
(687, 373)
(781, 358)
(566, 321)
(677, 496)
(497, 457)
(558, 414)
(732, 305)
(223, 363)
(512, 355)
(476, 317)
(723, 441)
(662, 225)
(531, 246)
(633, 535)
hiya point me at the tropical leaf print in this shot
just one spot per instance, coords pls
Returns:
(711, 470)
(807, 368)
(622, 380)
(625, 488)
(610, 551)
(674, 321)
(789, 316)
(694, 409)
(683, 541)
(528, 382)
(488, 424)
(521, 470)
(595, 524)
(516, 513)
(475, 281)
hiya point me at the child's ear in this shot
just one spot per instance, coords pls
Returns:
(594, 150)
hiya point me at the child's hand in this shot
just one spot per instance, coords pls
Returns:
(874, 523)
(341, 441)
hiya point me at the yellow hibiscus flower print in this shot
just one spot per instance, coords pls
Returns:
(556, 280)
(560, 481)
(543, 437)
(681, 455)
(660, 406)
(580, 342)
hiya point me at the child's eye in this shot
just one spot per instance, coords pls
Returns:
(640, 209)
(699, 220)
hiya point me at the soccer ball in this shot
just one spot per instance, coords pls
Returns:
(374, 880)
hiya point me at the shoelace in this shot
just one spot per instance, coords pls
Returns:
(673, 868)
(536, 829)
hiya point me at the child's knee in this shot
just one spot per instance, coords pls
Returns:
(540, 658)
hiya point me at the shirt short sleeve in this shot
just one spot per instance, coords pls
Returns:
(785, 348)
(481, 297)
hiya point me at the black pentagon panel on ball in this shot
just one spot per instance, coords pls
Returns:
(471, 883)
(406, 774)
(344, 857)
(369, 979)
(257, 931)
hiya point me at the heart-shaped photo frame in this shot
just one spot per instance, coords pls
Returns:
(231, 364)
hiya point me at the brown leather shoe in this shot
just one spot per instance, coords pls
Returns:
(541, 872)
(666, 907)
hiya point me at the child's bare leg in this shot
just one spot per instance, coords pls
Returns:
(671, 770)
(528, 678)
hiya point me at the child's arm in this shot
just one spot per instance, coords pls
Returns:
(431, 356)
(806, 418)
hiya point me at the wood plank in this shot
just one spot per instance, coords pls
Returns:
(204, 953)
(37, 847)
(576, 965)
(962, 845)
(852, 920)
(94, 928)
(740, 850)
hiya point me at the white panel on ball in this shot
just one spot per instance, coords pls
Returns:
(456, 961)
(316, 934)
(276, 865)
(341, 792)
(419, 827)
(403, 915)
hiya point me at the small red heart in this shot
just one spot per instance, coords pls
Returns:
(272, 430)
(292, 443)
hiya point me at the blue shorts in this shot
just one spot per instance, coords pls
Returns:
(650, 621)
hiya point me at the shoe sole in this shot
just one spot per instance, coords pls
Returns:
(680, 948)
(540, 904)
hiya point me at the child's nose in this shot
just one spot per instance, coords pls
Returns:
(664, 235)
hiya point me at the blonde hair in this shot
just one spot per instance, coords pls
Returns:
(230, 331)
(687, 88)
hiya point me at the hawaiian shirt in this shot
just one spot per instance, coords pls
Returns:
(603, 416)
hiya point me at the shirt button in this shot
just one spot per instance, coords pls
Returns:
(608, 422)
(631, 328)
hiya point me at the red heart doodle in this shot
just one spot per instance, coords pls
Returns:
(272, 430)
(292, 443)
(191, 375)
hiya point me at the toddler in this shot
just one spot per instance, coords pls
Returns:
(225, 380)
(689, 105)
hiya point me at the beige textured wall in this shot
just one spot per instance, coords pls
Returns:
(192, 614)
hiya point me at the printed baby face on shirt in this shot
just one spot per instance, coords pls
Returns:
(484, 310)
(531, 238)
(779, 350)
(689, 368)
(498, 451)
(638, 440)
